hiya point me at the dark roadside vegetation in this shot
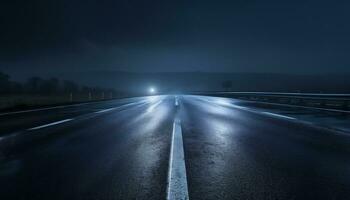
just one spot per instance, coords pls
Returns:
(38, 92)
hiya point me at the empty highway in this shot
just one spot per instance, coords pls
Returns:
(169, 147)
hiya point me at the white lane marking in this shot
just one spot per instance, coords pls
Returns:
(50, 124)
(50, 108)
(109, 109)
(279, 104)
(297, 106)
(176, 101)
(251, 110)
(105, 110)
(277, 115)
(177, 180)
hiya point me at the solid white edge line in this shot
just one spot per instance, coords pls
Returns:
(177, 179)
(50, 124)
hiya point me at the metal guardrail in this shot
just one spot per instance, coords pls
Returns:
(326, 101)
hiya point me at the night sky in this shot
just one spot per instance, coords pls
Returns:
(180, 35)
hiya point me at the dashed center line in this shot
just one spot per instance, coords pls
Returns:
(50, 124)
(277, 115)
(105, 110)
(109, 109)
(176, 101)
(177, 180)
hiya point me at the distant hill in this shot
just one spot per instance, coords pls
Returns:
(201, 81)
(205, 81)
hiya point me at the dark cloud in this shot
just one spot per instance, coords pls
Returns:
(254, 36)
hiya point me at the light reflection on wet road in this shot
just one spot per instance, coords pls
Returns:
(237, 154)
(123, 153)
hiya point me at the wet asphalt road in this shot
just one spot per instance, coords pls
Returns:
(120, 150)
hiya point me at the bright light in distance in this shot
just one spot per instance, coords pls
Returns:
(152, 90)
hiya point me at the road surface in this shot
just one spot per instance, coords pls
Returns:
(167, 147)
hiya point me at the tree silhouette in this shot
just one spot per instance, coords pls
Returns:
(4, 83)
(34, 84)
(50, 86)
(70, 86)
